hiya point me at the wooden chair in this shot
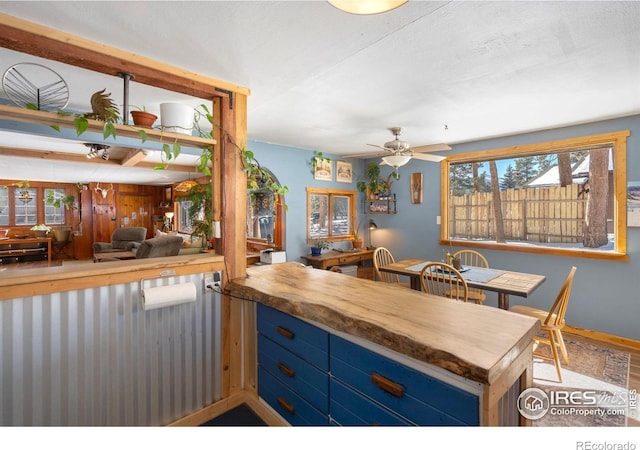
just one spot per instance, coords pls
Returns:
(444, 280)
(552, 324)
(476, 259)
(382, 257)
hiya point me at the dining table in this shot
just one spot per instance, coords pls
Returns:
(503, 282)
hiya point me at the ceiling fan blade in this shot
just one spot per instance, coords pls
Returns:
(380, 146)
(428, 157)
(364, 155)
(431, 148)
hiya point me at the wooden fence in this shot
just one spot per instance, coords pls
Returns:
(545, 214)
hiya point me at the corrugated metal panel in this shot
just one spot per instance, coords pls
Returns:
(94, 357)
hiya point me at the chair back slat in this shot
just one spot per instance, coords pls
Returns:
(559, 307)
(444, 280)
(473, 258)
(383, 257)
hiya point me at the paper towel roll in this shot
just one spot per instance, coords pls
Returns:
(162, 296)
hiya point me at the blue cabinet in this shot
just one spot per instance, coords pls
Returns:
(293, 365)
(417, 397)
(313, 377)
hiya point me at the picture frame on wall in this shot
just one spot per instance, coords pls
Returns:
(168, 195)
(344, 172)
(322, 169)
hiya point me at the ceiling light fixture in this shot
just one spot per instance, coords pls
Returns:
(396, 161)
(185, 186)
(366, 6)
(95, 149)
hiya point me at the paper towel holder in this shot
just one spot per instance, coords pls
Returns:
(163, 274)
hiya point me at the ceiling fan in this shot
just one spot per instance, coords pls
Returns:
(400, 152)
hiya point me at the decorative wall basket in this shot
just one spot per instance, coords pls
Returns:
(177, 118)
(416, 187)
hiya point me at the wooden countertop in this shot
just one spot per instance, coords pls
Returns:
(474, 341)
(37, 281)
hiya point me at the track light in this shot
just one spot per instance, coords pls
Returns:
(95, 149)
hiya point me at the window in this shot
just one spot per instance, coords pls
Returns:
(330, 214)
(563, 197)
(22, 206)
(266, 218)
(26, 206)
(4, 206)
(53, 215)
(184, 220)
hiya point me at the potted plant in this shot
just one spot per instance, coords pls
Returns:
(201, 212)
(40, 230)
(142, 118)
(357, 239)
(318, 245)
(177, 118)
(371, 184)
(69, 201)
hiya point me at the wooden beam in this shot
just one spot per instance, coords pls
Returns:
(75, 158)
(134, 157)
(38, 40)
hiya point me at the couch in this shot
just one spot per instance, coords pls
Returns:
(122, 240)
(159, 246)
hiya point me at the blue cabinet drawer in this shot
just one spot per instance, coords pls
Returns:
(297, 336)
(420, 398)
(288, 404)
(350, 408)
(308, 381)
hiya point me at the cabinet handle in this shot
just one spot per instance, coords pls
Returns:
(286, 370)
(286, 333)
(286, 405)
(387, 385)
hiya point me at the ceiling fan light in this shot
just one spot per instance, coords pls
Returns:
(366, 6)
(396, 161)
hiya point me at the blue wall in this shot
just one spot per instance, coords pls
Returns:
(605, 295)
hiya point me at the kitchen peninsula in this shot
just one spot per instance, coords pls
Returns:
(472, 357)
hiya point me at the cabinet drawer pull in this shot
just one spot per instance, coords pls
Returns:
(286, 370)
(387, 385)
(286, 405)
(286, 333)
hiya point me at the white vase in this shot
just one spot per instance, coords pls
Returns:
(176, 117)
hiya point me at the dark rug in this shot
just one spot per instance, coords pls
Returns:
(240, 416)
(591, 368)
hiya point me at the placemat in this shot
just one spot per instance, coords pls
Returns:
(481, 275)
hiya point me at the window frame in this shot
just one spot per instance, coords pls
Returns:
(618, 142)
(353, 211)
(39, 203)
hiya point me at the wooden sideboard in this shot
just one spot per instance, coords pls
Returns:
(362, 258)
(29, 249)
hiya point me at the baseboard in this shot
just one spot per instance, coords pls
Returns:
(604, 337)
(214, 410)
(211, 411)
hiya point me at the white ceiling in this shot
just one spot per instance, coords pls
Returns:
(325, 80)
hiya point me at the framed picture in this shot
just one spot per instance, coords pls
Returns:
(168, 194)
(416, 187)
(344, 171)
(322, 169)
